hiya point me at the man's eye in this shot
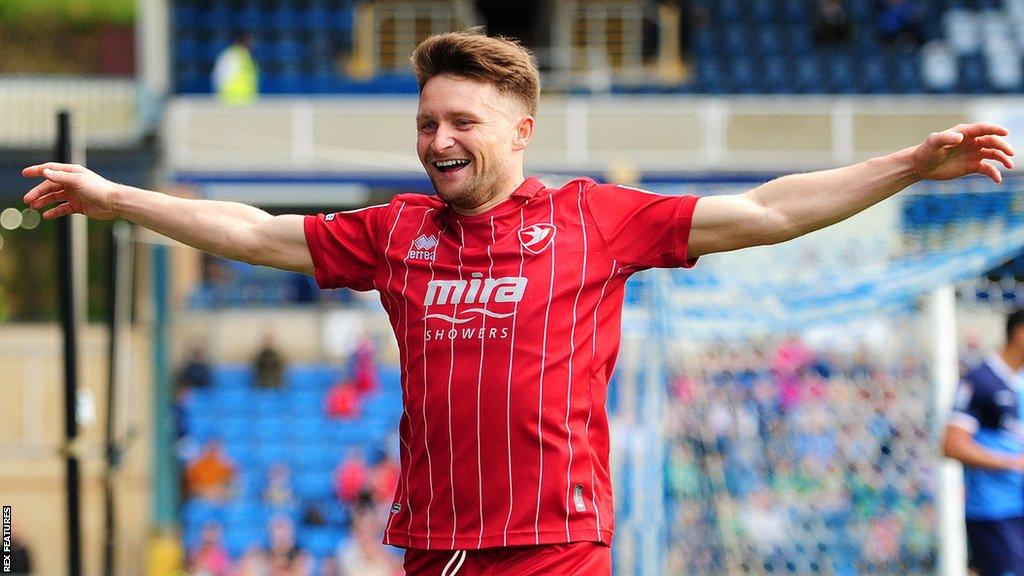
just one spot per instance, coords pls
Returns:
(427, 126)
(463, 123)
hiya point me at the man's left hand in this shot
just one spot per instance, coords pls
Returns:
(962, 150)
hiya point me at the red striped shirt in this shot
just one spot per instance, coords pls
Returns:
(508, 325)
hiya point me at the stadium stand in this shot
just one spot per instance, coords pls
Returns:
(926, 46)
(287, 429)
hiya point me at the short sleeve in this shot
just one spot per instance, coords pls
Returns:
(345, 247)
(966, 408)
(643, 229)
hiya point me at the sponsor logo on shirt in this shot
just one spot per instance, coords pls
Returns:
(423, 248)
(477, 290)
(537, 238)
(477, 294)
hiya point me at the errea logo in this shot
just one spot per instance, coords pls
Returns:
(423, 248)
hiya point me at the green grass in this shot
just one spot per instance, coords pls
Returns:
(75, 12)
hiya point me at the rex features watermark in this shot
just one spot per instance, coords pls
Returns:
(7, 545)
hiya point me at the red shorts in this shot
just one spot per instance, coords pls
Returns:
(583, 558)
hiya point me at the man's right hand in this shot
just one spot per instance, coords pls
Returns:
(74, 189)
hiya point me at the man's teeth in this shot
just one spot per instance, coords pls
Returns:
(450, 163)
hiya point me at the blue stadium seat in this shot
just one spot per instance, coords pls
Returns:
(320, 540)
(217, 17)
(730, 11)
(735, 41)
(185, 18)
(233, 376)
(238, 541)
(234, 428)
(313, 486)
(190, 78)
(250, 17)
(767, 42)
(229, 400)
(271, 451)
(196, 512)
(283, 18)
(188, 49)
(808, 78)
(710, 78)
(973, 79)
(703, 42)
(761, 12)
(797, 11)
(840, 77)
(316, 18)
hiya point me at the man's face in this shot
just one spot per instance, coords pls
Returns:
(468, 139)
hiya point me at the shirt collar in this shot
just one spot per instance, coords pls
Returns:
(1005, 373)
(529, 188)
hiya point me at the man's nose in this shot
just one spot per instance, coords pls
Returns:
(442, 139)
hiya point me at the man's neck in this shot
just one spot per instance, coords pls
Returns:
(1013, 357)
(504, 194)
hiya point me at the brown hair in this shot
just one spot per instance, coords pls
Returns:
(502, 62)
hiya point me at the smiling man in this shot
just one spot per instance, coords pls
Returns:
(505, 297)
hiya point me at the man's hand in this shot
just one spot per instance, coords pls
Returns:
(962, 150)
(73, 188)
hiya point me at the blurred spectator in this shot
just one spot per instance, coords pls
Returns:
(365, 375)
(841, 473)
(351, 477)
(972, 354)
(164, 554)
(342, 400)
(384, 478)
(284, 554)
(185, 446)
(279, 488)
(330, 567)
(235, 74)
(211, 558)
(362, 554)
(252, 563)
(832, 23)
(268, 364)
(196, 372)
(211, 475)
(899, 24)
(313, 514)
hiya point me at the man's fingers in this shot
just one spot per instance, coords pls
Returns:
(51, 198)
(37, 170)
(998, 156)
(993, 141)
(981, 129)
(41, 189)
(58, 211)
(991, 171)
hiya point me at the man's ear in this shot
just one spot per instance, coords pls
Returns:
(524, 133)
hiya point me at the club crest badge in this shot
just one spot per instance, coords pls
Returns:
(537, 238)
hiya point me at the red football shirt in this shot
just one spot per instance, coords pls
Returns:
(508, 325)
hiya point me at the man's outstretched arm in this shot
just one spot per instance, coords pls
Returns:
(794, 205)
(228, 229)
